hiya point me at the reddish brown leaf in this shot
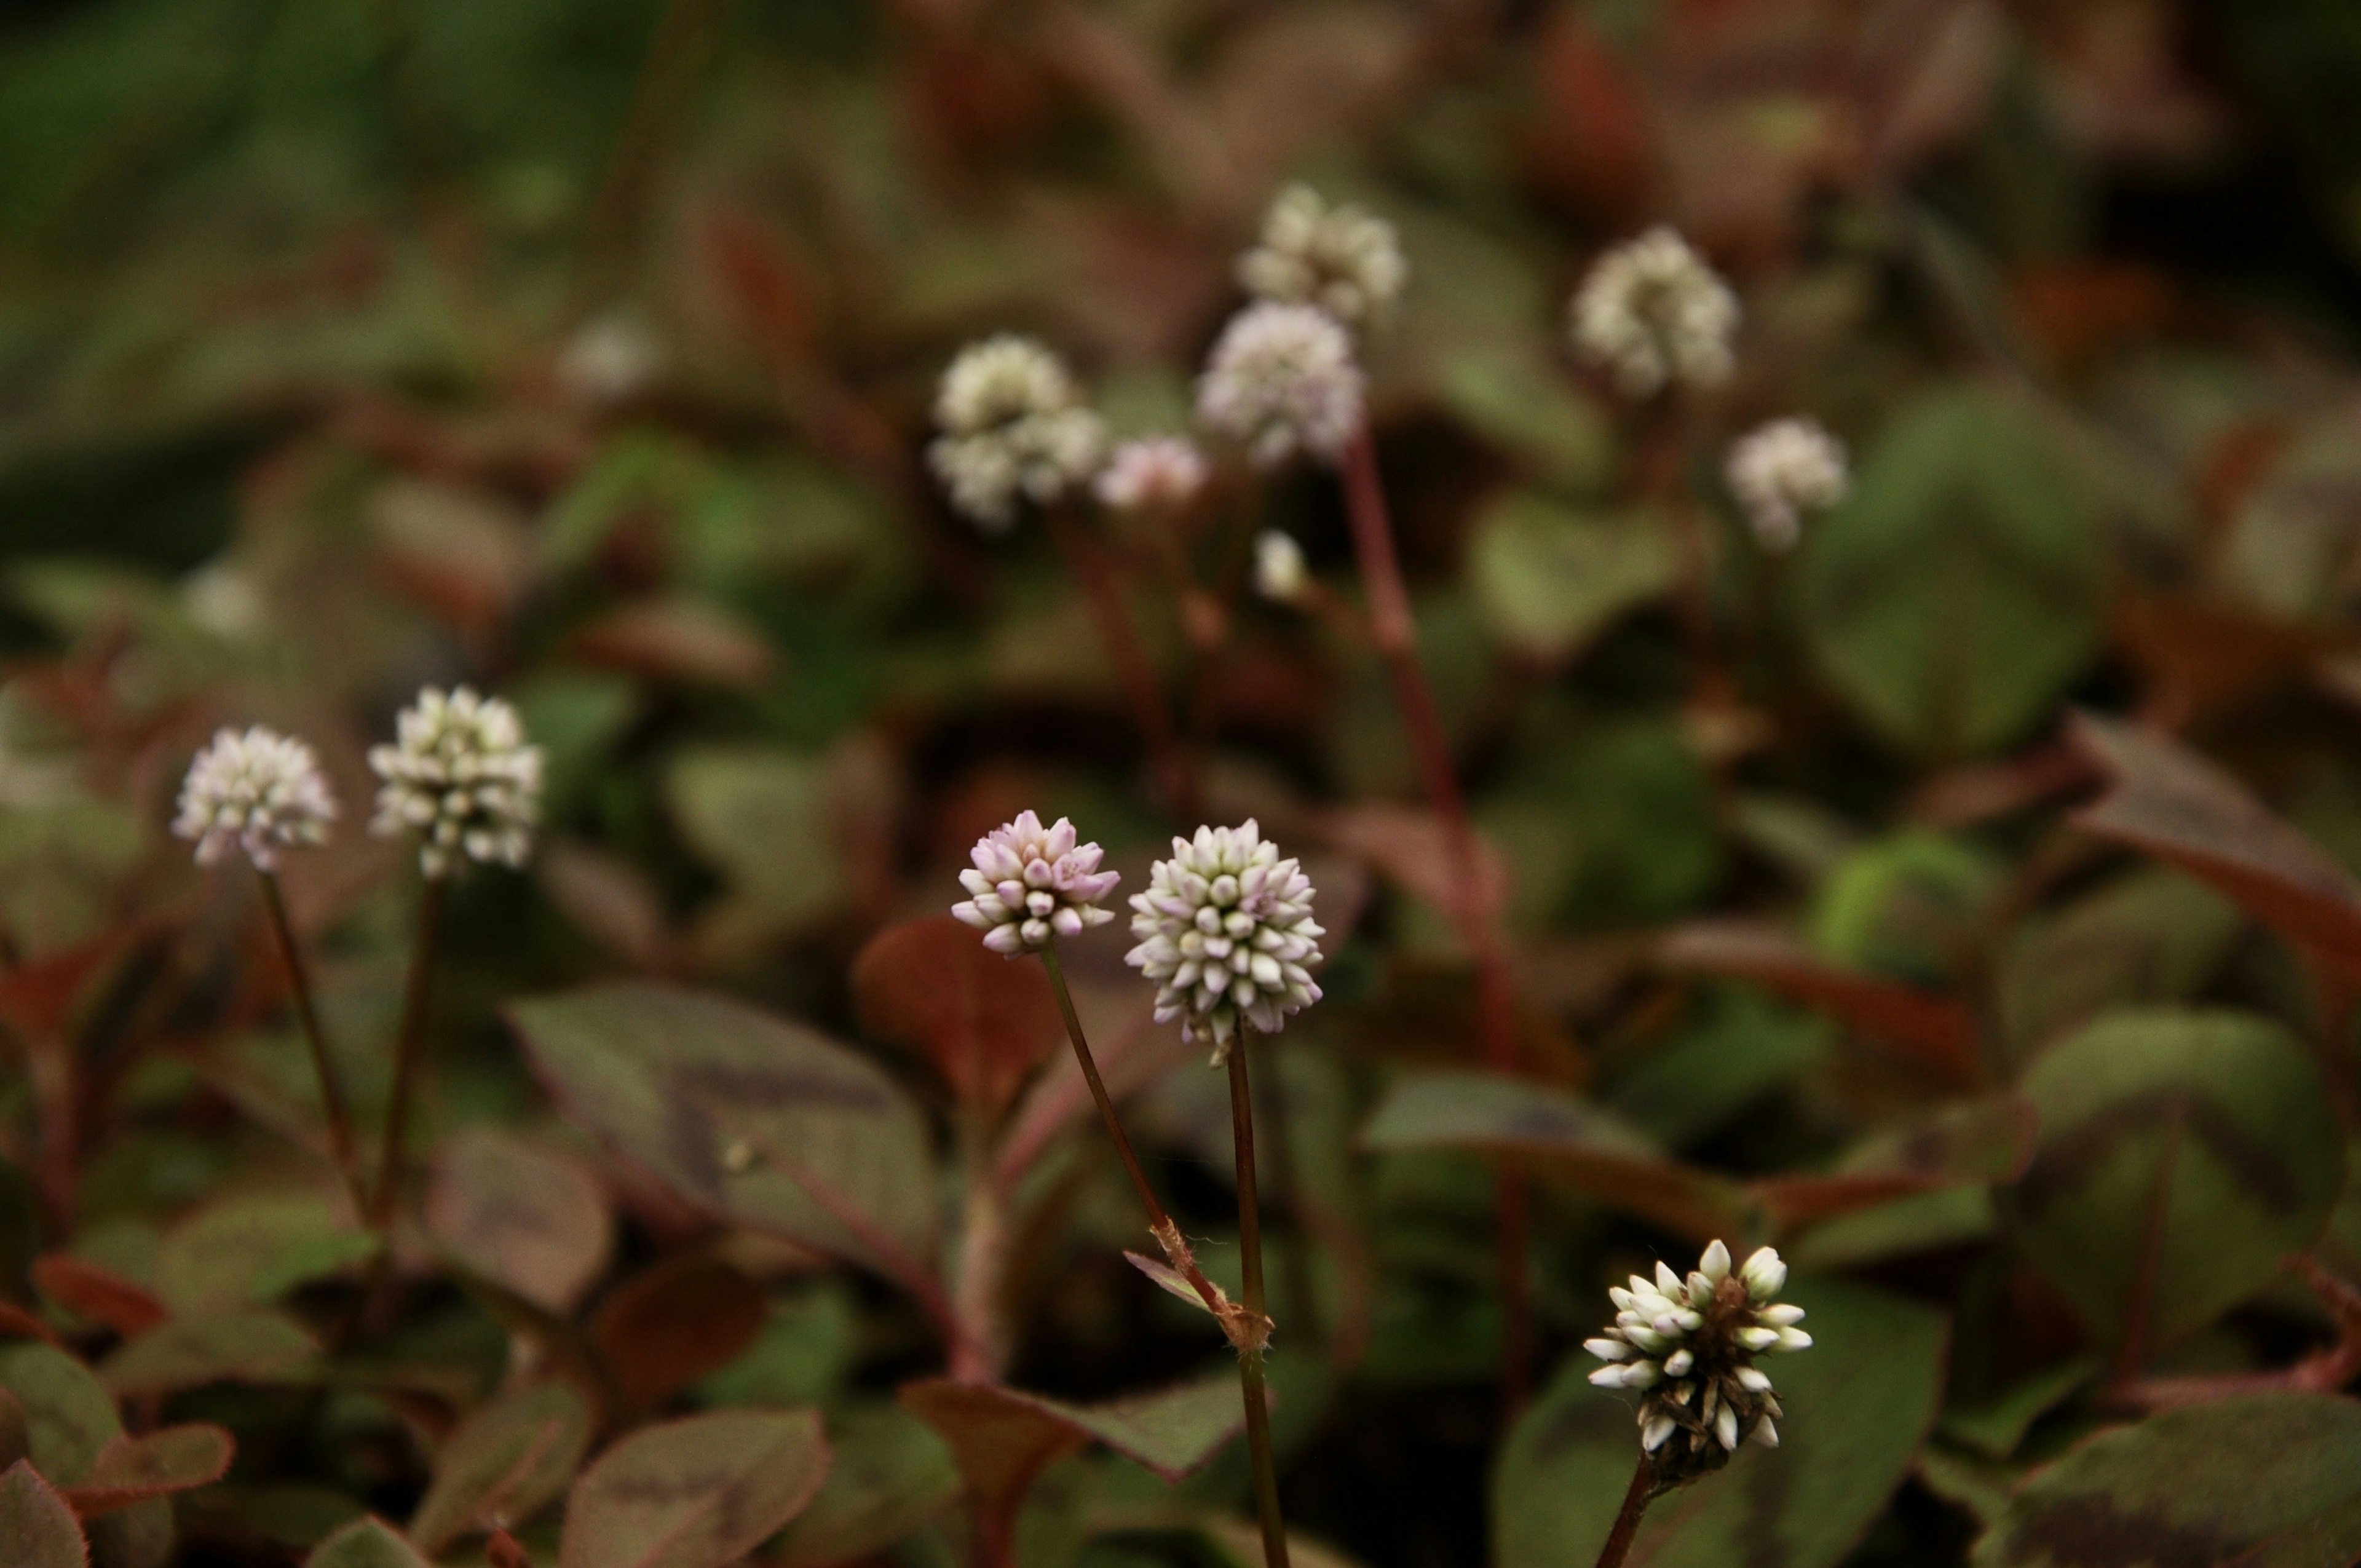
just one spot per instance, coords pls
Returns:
(983, 1021)
(1981, 1142)
(534, 1220)
(2200, 656)
(35, 997)
(18, 1323)
(92, 1292)
(664, 1329)
(130, 1470)
(680, 640)
(1415, 849)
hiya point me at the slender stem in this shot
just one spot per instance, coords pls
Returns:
(408, 1046)
(1286, 1180)
(1250, 1371)
(341, 1141)
(1176, 778)
(1627, 1518)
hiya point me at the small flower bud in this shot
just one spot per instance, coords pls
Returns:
(1032, 883)
(460, 775)
(260, 792)
(1281, 576)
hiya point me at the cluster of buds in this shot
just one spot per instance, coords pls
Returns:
(1340, 258)
(1013, 428)
(1782, 470)
(1030, 884)
(259, 792)
(1282, 379)
(1689, 1345)
(1153, 474)
(459, 775)
(1652, 312)
(1227, 934)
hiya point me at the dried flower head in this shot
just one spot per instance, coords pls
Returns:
(1783, 470)
(1280, 574)
(459, 773)
(1282, 377)
(1689, 1344)
(1225, 931)
(1341, 258)
(1031, 883)
(1013, 427)
(1154, 473)
(1652, 311)
(262, 792)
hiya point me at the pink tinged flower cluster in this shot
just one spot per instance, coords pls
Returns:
(1282, 379)
(1152, 473)
(1031, 883)
(1225, 931)
(259, 792)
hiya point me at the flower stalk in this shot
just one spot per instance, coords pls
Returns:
(341, 1145)
(1250, 1356)
(408, 1046)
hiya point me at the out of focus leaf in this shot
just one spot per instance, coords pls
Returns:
(1897, 1227)
(745, 1115)
(517, 1212)
(69, 1416)
(1742, 1049)
(249, 1251)
(1550, 578)
(763, 818)
(696, 1493)
(1857, 1404)
(664, 1328)
(366, 1543)
(1952, 597)
(890, 1476)
(1517, 400)
(503, 1465)
(94, 1291)
(1976, 1144)
(16, 1437)
(1997, 1426)
(684, 640)
(131, 1470)
(217, 1347)
(2153, 937)
(37, 1528)
(1904, 905)
(2183, 1154)
(2268, 1479)
(985, 1023)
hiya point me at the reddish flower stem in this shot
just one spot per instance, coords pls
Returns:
(1250, 1369)
(341, 1144)
(1627, 1518)
(1176, 780)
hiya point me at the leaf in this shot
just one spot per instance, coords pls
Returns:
(1549, 579)
(69, 1415)
(985, 1022)
(1560, 1140)
(1515, 397)
(2183, 1154)
(669, 1325)
(16, 1438)
(891, 1474)
(249, 1251)
(92, 1290)
(696, 1493)
(2155, 936)
(503, 1465)
(761, 1122)
(1743, 1048)
(1957, 592)
(219, 1347)
(131, 1470)
(1976, 1143)
(1415, 851)
(679, 639)
(760, 817)
(366, 1543)
(1857, 1404)
(1997, 1426)
(2257, 1480)
(37, 1528)
(2172, 803)
(519, 1213)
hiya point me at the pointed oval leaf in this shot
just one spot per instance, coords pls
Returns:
(696, 1493)
(2183, 1154)
(751, 1118)
(503, 1465)
(366, 1543)
(983, 1021)
(37, 1528)
(92, 1290)
(522, 1215)
(1857, 1404)
(668, 1326)
(69, 1415)
(219, 1347)
(247, 1251)
(890, 1476)
(131, 1470)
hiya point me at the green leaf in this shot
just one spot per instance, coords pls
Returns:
(522, 1215)
(1742, 1048)
(37, 1528)
(1549, 578)
(2204, 1135)
(366, 1543)
(69, 1415)
(696, 1493)
(891, 1474)
(1517, 398)
(1857, 1404)
(1997, 1426)
(132, 1470)
(760, 817)
(2260, 1480)
(503, 1465)
(766, 1122)
(249, 1251)
(2155, 936)
(220, 1347)
(1957, 592)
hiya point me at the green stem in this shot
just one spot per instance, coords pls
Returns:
(1250, 1369)
(341, 1141)
(1627, 1520)
(408, 1046)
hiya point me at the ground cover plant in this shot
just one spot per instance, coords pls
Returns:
(1169, 781)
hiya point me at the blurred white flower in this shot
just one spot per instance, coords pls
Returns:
(1280, 573)
(1282, 379)
(1782, 470)
(260, 792)
(609, 359)
(1153, 473)
(1032, 883)
(1225, 931)
(1653, 311)
(460, 774)
(1013, 428)
(1689, 1345)
(1341, 258)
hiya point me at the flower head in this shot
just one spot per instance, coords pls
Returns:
(1013, 427)
(1032, 883)
(1282, 377)
(1226, 932)
(261, 791)
(1782, 470)
(1279, 575)
(460, 774)
(1341, 258)
(1690, 1345)
(1154, 473)
(1652, 311)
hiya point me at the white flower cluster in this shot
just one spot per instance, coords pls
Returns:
(1153, 473)
(1652, 311)
(460, 774)
(1225, 931)
(1282, 379)
(262, 792)
(1013, 427)
(1783, 470)
(1341, 258)
(1032, 883)
(1280, 573)
(1690, 1345)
